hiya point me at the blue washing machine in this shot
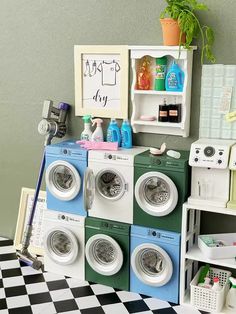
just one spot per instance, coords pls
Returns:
(155, 263)
(66, 165)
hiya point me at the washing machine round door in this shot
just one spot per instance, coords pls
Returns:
(88, 189)
(63, 180)
(110, 184)
(104, 254)
(61, 245)
(156, 194)
(151, 264)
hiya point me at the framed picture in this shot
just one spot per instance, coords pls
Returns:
(101, 81)
(26, 202)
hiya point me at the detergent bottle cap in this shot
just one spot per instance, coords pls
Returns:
(113, 121)
(126, 121)
(87, 118)
(216, 279)
(97, 121)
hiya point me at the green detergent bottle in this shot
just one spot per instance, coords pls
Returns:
(160, 75)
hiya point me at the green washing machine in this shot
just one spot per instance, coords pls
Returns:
(107, 252)
(162, 185)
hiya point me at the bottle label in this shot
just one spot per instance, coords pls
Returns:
(173, 113)
(109, 136)
(163, 113)
(172, 80)
(85, 137)
(160, 71)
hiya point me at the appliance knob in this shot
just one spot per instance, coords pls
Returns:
(196, 159)
(209, 151)
(110, 156)
(197, 151)
(220, 153)
(219, 161)
(154, 233)
(63, 217)
(65, 151)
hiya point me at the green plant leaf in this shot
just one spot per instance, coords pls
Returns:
(209, 35)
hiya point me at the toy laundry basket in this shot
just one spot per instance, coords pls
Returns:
(207, 299)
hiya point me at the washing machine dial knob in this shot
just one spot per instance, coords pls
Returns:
(154, 233)
(65, 151)
(196, 159)
(219, 161)
(109, 156)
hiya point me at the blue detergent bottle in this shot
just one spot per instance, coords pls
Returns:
(113, 132)
(126, 134)
(174, 79)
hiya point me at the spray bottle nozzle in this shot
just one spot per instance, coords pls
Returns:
(97, 121)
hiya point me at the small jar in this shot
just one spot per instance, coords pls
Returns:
(163, 113)
(175, 113)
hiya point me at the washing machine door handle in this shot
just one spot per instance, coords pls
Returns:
(88, 189)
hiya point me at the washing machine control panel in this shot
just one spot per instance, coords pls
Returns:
(208, 155)
(67, 218)
(116, 157)
(232, 161)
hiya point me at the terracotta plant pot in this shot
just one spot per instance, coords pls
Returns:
(171, 32)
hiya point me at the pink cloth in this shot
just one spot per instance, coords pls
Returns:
(98, 145)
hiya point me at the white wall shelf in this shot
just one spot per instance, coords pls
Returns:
(146, 102)
(191, 255)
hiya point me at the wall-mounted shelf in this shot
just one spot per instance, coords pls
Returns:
(146, 102)
(191, 255)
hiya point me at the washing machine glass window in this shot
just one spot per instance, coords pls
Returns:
(63, 180)
(88, 188)
(156, 194)
(110, 184)
(104, 254)
(62, 246)
(152, 265)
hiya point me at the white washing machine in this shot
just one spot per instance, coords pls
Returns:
(64, 243)
(114, 183)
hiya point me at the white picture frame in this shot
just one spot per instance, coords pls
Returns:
(26, 200)
(101, 80)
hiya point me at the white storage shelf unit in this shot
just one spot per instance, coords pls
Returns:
(191, 255)
(146, 102)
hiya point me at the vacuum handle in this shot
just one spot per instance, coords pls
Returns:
(38, 185)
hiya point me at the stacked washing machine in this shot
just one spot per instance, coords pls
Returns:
(114, 218)
(161, 186)
(64, 221)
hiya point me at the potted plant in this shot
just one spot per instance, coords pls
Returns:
(180, 25)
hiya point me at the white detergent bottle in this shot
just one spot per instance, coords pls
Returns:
(231, 296)
(87, 133)
(97, 135)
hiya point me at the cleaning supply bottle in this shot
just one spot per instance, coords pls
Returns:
(216, 284)
(144, 76)
(204, 272)
(206, 284)
(174, 78)
(87, 133)
(126, 134)
(160, 75)
(97, 135)
(113, 132)
(231, 296)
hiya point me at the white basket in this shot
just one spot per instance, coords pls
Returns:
(228, 251)
(207, 299)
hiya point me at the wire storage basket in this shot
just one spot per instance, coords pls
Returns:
(206, 299)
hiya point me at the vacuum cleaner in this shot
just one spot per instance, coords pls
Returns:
(52, 125)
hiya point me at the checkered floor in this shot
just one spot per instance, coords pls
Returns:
(24, 290)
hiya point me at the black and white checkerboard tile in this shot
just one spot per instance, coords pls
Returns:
(24, 290)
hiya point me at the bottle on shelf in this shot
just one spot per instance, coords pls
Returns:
(163, 112)
(160, 73)
(174, 78)
(174, 112)
(206, 284)
(231, 296)
(97, 135)
(144, 75)
(87, 132)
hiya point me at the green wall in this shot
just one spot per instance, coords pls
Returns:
(36, 63)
